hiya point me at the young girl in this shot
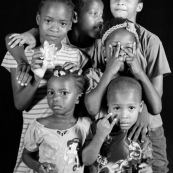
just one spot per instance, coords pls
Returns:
(86, 28)
(54, 19)
(121, 47)
(59, 137)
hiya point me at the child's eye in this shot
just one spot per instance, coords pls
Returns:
(50, 93)
(63, 24)
(48, 21)
(131, 108)
(64, 93)
(116, 108)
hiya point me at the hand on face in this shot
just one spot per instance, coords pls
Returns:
(115, 63)
(119, 55)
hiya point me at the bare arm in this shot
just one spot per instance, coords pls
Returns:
(152, 98)
(15, 42)
(29, 159)
(23, 96)
(94, 98)
(90, 152)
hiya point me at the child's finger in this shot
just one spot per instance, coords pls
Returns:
(13, 35)
(134, 48)
(29, 48)
(108, 115)
(110, 50)
(117, 50)
(114, 122)
(15, 42)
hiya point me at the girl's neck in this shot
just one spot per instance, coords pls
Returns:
(80, 39)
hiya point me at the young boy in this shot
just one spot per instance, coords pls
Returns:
(110, 149)
(54, 19)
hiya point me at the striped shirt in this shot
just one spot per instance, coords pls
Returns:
(39, 107)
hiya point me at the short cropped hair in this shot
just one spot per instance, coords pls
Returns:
(123, 83)
(44, 2)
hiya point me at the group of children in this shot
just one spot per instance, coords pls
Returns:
(122, 85)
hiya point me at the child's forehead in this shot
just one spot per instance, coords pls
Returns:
(121, 35)
(92, 4)
(53, 5)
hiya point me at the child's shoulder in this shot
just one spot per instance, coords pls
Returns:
(147, 36)
(69, 47)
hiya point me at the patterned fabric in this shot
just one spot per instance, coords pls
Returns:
(118, 155)
(39, 107)
(59, 147)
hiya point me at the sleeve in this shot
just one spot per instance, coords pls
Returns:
(31, 138)
(147, 152)
(9, 61)
(82, 60)
(93, 77)
(156, 58)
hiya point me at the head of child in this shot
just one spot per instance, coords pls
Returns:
(120, 31)
(64, 89)
(88, 17)
(127, 9)
(124, 99)
(54, 18)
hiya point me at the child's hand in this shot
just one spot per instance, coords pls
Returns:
(72, 67)
(145, 168)
(47, 168)
(114, 62)
(142, 125)
(25, 38)
(104, 126)
(132, 61)
(24, 74)
(37, 64)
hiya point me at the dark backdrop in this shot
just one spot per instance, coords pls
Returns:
(19, 16)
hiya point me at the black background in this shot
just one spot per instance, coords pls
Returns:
(19, 16)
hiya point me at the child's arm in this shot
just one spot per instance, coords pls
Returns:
(93, 99)
(14, 44)
(90, 152)
(151, 96)
(23, 96)
(30, 160)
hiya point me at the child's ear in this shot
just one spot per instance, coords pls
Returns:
(139, 7)
(141, 106)
(78, 96)
(38, 19)
(75, 17)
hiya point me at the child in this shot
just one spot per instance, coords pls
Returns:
(86, 27)
(115, 153)
(54, 19)
(59, 137)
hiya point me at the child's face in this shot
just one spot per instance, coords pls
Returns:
(90, 18)
(54, 22)
(62, 95)
(125, 8)
(125, 38)
(126, 105)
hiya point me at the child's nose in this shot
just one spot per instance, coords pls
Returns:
(120, 2)
(55, 27)
(57, 98)
(124, 115)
